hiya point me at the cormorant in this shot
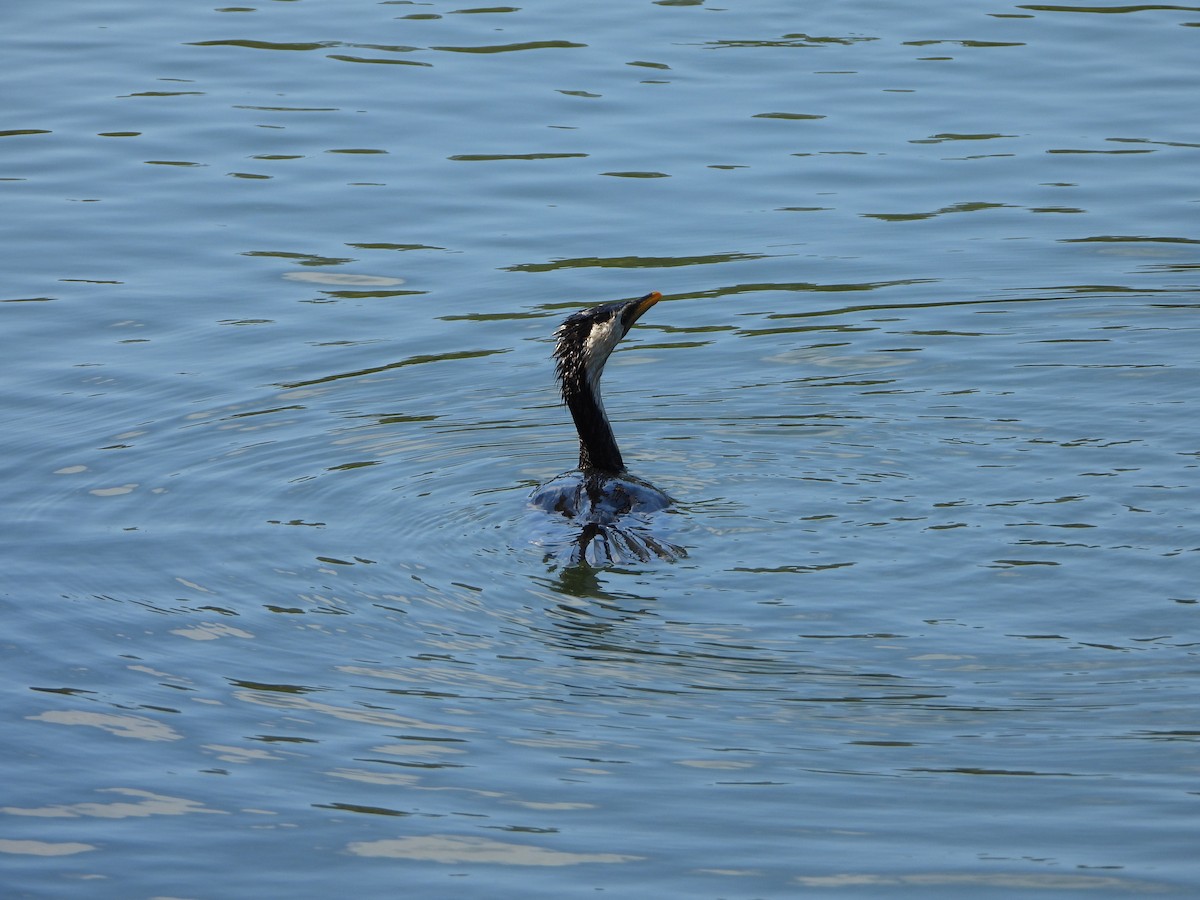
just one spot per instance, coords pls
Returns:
(607, 504)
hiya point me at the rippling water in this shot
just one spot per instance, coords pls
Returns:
(279, 288)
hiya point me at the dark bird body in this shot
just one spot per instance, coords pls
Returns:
(608, 509)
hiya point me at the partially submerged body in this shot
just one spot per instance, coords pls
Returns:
(598, 499)
(608, 519)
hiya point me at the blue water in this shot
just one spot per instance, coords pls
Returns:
(279, 288)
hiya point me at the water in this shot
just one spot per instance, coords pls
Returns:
(280, 282)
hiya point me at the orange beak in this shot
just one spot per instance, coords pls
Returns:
(644, 303)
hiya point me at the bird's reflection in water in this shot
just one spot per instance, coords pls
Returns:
(590, 620)
(604, 515)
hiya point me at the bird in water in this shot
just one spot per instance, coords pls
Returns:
(608, 509)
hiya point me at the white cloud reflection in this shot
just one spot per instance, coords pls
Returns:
(450, 848)
(137, 727)
(140, 804)
(43, 848)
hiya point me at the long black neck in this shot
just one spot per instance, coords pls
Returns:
(598, 450)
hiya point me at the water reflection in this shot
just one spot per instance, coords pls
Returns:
(629, 646)
(459, 849)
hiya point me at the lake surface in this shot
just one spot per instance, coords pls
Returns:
(279, 285)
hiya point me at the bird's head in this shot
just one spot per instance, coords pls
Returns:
(585, 340)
